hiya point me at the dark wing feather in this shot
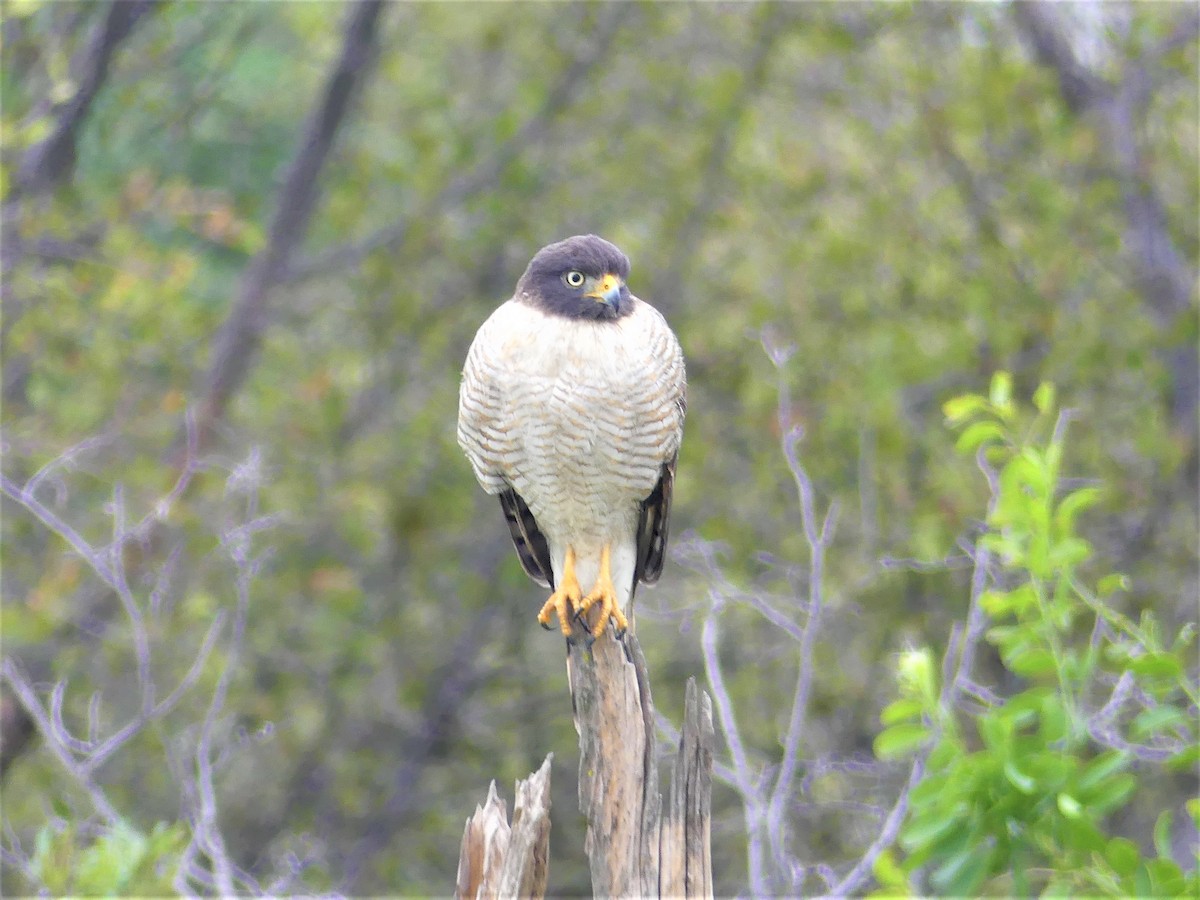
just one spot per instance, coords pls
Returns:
(527, 537)
(652, 527)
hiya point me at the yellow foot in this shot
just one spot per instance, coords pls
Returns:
(564, 601)
(604, 595)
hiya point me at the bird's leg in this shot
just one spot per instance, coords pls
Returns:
(565, 600)
(605, 595)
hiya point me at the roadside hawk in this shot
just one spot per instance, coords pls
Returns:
(571, 410)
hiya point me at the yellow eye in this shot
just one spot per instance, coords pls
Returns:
(574, 278)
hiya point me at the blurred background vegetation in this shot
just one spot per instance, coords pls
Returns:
(290, 219)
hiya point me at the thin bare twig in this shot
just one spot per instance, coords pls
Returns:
(206, 830)
(818, 541)
(65, 460)
(854, 880)
(47, 517)
(751, 799)
(100, 754)
(28, 697)
(83, 758)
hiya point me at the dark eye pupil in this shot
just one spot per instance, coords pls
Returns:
(574, 279)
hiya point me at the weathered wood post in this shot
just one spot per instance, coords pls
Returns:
(639, 844)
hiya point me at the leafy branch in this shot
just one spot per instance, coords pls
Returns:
(1021, 803)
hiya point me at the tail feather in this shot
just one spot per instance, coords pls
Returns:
(653, 527)
(530, 543)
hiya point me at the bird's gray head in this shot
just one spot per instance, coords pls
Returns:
(582, 277)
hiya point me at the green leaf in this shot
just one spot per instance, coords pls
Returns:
(1112, 794)
(1023, 599)
(1081, 835)
(900, 740)
(1018, 779)
(929, 829)
(1009, 546)
(1185, 760)
(1166, 879)
(1156, 665)
(977, 434)
(901, 711)
(932, 787)
(54, 858)
(1072, 505)
(1100, 769)
(108, 864)
(963, 873)
(1162, 834)
(996, 732)
(1019, 601)
(1059, 886)
(1069, 806)
(1152, 721)
(1003, 636)
(888, 872)
(1142, 885)
(1069, 553)
(995, 603)
(1123, 856)
(1029, 661)
(1020, 711)
(1043, 397)
(946, 753)
(1183, 640)
(1110, 584)
(1054, 725)
(957, 409)
(1000, 392)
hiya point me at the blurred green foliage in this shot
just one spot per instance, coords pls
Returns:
(1016, 799)
(899, 192)
(121, 862)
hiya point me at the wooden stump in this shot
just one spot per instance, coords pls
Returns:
(637, 844)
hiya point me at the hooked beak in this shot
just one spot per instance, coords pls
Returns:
(606, 290)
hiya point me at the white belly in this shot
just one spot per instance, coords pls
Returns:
(579, 418)
(588, 454)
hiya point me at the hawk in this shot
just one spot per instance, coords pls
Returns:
(571, 410)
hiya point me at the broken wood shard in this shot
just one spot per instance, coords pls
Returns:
(499, 859)
(686, 838)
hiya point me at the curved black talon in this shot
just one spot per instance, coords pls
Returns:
(546, 625)
(578, 617)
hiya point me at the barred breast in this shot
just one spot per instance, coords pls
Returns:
(577, 416)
